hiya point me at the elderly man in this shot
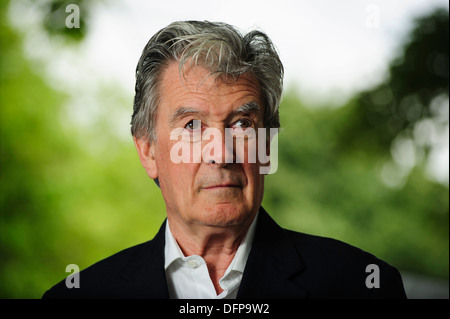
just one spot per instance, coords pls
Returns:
(218, 242)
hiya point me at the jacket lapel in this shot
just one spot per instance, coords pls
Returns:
(272, 262)
(144, 275)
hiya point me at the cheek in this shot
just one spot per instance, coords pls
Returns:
(255, 181)
(172, 171)
(167, 167)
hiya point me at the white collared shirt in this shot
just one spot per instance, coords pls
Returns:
(188, 277)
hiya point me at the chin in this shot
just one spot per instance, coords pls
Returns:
(224, 215)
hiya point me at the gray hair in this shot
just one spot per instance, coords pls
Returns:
(217, 46)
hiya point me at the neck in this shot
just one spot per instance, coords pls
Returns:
(216, 245)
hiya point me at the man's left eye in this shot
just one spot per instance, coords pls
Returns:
(243, 123)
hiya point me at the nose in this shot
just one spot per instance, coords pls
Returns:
(216, 148)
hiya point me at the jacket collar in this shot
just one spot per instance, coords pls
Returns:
(145, 275)
(272, 262)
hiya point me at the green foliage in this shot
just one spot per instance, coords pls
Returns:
(67, 194)
(418, 75)
(56, 15)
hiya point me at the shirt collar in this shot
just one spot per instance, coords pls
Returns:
(172, 250)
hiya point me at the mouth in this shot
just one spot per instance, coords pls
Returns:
(223, 186)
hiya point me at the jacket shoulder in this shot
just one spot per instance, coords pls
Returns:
(135, 272)
(337, 269)
(105, 278)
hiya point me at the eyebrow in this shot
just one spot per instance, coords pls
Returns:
(251, 107)
(181, 112)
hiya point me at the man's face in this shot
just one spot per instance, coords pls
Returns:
(208, 193)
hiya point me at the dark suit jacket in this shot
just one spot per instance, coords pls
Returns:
(281, 264)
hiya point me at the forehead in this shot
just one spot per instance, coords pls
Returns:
(196, 87)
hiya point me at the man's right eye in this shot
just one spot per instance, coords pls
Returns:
(193, 125)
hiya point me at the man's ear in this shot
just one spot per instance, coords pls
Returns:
(146, 151)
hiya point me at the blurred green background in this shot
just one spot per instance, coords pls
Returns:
(72, 193)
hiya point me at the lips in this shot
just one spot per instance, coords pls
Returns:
(225, 185)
